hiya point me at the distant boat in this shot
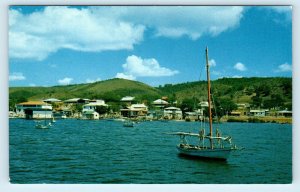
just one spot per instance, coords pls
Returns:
(217, 147)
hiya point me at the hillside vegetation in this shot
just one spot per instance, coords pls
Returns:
(258, 92)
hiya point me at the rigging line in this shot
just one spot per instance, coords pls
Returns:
(215, 109)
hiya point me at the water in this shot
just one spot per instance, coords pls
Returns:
(82, 151)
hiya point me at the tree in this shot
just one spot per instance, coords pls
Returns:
(101, 109)
(224, 106)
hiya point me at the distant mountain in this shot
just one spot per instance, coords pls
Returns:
(260, 92)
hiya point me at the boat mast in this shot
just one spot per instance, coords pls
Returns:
(209, 99)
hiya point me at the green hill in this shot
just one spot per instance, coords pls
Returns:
(110, 90)
(259, 92)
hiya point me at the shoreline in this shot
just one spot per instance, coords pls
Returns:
(229, 119)
(253, 119)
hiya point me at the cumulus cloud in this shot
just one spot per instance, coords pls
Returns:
(65, 81)
(92, 80)
(284, 68)
(191, 21)
(41, 33)
(36, 35)
(124, 76)
(138, 67)
(240, 67)
(212, 63)
(16, 77)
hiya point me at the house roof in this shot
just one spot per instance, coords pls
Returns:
(160, 102)
(33, 103)
(127, 98)
(96, 104)
(142, 105)
(75, 100)
(173, 108)
(52, 100)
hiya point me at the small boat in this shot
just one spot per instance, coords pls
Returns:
(207, 145)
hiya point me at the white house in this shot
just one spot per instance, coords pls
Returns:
(258, 112)
(89, 110)
(135, 110)
(34, 110)
(93, 115)
(93, 105)
(172, 113)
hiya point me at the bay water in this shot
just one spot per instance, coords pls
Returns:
(103, 151)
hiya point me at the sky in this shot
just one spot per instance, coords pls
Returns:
(157, 45)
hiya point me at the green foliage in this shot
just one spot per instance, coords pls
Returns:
(101, 109)
(272, 92)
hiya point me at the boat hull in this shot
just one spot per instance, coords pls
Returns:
(218, 153)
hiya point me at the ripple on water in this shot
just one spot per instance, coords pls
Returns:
(76, 151)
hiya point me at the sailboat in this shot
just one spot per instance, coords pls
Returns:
(209, 145)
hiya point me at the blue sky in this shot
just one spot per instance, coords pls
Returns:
(58, 45)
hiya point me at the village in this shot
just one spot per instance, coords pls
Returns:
(129, 108)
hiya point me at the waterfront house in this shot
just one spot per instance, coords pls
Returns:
(195, 115)
(89, 111)
(172, 113)
(34, 110)
(93, 105)
(285, 113)
(93, 115)
(160, 103)
(258, 112)
(243, 109)
(204, 104)
(135, 110)
(128, 100)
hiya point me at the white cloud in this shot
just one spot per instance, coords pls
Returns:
(237, 76)
(138, 67)
(284, 68)
(65, 81)
(240, 67)
(212, 63)
(32, 85)
(192, 21)
(124, 76)
(92, 80)
(16, 77)
(41, 33)
(95, 29)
